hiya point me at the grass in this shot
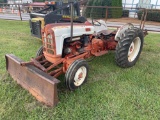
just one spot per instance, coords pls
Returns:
(110, 93)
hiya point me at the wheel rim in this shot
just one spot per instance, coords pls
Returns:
(80, 76)
(134, 49)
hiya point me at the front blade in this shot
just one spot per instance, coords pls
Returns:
(38, 83)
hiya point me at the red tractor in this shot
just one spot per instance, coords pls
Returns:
(65, 48)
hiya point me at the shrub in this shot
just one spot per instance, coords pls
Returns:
(96, 12)
(88, 10)
(139, 14)
(151, 16)
(125, 13)
(117, 12)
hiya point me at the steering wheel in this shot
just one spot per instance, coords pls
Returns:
(96, 23)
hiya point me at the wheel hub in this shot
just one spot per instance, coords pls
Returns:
(131, 48)
(80, 76)
(134, 49)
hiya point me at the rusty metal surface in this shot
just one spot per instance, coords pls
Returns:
(38, 83)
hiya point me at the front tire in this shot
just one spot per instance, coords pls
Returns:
(76, 74)
(40, 51)
(129, 48)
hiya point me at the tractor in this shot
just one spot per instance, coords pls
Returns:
(65, 48)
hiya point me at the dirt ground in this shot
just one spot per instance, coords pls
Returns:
(133, 20)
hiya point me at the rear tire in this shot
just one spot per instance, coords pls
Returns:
(129, 48)
(76, 74)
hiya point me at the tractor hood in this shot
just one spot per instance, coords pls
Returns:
(64, 29)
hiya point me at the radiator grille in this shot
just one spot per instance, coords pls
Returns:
(48, 43)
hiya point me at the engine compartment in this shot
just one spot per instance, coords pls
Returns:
(93, 44)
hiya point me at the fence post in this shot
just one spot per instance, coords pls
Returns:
(106, 12)
(145, 17)
(19, 12)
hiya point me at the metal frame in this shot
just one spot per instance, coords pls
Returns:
(143, 18)
(153, 5)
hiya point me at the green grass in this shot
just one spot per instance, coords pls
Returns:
(111, 93)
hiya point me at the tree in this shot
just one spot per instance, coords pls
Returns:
(88, 10)
(96, 12)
